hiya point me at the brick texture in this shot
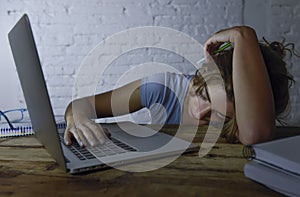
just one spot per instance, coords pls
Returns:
(66, 30)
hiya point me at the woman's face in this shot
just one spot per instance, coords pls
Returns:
(200, 109)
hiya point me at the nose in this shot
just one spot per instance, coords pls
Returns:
(205, 114)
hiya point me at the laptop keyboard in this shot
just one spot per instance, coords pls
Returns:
(111, 147)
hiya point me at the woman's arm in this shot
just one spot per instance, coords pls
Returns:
(120, 101)
(80, 112)
(254, 105)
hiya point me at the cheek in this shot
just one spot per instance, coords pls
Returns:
(197, 104)
(194, 103)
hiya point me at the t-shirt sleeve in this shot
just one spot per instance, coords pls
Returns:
(152, 90)
(159, 98)
(163, 94)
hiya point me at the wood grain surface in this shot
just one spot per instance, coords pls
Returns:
(26, 169)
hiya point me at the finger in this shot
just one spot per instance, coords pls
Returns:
(68, 136)
(77, 134)
(90, 135)
(208, 48)
(211, 47)
(84, 135)
(216, 40)
(107, 133)
(98, 132)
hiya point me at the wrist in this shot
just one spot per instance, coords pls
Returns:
(243, 34)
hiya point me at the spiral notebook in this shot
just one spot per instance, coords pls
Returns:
(276, 164)
(24, 128)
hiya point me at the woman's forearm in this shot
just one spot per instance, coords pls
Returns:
(254, 103)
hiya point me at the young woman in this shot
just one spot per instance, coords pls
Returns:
(256, 87)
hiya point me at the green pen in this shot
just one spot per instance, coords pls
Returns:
(222, 48)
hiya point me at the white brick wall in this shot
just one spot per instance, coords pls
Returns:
(66, 30)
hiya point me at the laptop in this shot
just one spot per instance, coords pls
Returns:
(122, 149)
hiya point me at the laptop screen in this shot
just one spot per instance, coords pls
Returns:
(34, 87)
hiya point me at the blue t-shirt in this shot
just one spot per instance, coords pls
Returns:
(163, 94)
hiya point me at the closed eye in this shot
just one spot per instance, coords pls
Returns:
(222, 116)
(207, 95)
(203, 93)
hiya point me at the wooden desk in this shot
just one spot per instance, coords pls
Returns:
(26, 169)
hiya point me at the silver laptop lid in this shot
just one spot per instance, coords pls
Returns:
(34, 87)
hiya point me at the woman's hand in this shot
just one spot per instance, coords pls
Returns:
(230, 35)
(80, 125)
(80, 113)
